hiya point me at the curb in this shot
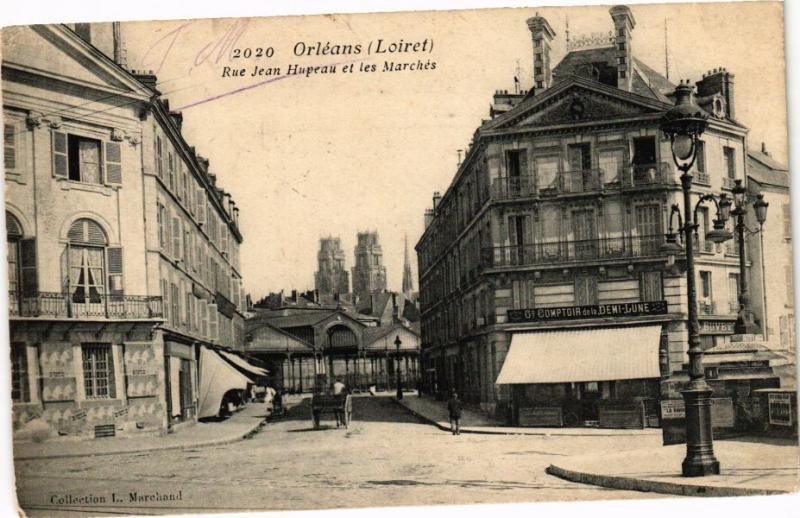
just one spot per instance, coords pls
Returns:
(654, 486)
(446, 428)
(215, 442)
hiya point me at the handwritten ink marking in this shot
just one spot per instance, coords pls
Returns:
(223, 45)
(174, 34)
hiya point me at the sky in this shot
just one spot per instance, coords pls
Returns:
(307, 157)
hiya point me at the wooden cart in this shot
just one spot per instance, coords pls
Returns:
(331, 404)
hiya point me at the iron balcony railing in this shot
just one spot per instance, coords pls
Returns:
(563, 252)
(65, 305)
(585, 181)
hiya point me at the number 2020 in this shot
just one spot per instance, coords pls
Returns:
(257, 52)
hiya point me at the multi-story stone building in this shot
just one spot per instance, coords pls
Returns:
(331, 276)
(369, 273)
(544, 289)
(123, 255)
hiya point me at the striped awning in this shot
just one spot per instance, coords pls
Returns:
(616, 353)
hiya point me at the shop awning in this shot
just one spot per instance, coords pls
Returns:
(606, 354)
(244, 364)
(216, 378)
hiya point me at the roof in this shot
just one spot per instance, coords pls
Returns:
(766, 170)
(645, 81)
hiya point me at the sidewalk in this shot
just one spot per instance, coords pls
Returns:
(233, 429)
(749, 466)
(435, 412)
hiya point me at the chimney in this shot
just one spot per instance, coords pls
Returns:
(764, 148)
(541, 34)
(437, 197)
(177, 119)
(428, 217)
(623, 26)
(147, 78)
(294, 296)
(718, 81)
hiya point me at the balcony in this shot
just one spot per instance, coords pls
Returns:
(705, 307)
(63, 305)
(658, 174)
(586, 181)
(564, 252)
(728, 182)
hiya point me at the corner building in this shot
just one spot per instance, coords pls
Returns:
(122, 252)
(545, 296)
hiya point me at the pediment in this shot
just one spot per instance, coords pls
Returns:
(58, 54)
(577, 103)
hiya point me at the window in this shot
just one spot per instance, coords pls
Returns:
(621, 60)
(175, 298)
(98, 371)
(585, 290)
(538, 57)
(705, 285)
(610, 163)
(159, 158)
(733, 291)
(546, 170)
(516, 163)
(538, 70)
(539, 84)
(20, 388)
(729, 161)
(84, 159)
(700, 159)
(9, 147)
(651, 288)
(80, 159)
(622, 74)
(621, 32)
(171, 170)
(621, 45)
(86, 266)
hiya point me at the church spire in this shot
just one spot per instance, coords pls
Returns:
(408, 285)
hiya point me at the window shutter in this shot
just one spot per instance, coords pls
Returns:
(112, 383)
(59, 145)
(165, 298)
(65, 269)
(30, 279)
(212, 322)
(114, 255)
(176, 238)
(113, 163)
(9, 146)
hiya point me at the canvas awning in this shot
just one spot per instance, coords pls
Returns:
(606, 354)
(244, 364)
(216, 378)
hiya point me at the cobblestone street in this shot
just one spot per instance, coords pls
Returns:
(387, 457)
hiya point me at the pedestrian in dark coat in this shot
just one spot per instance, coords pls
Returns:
(454, 409)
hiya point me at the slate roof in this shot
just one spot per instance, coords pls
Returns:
(645, 82)
(765, 170)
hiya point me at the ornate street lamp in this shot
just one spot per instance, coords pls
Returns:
(683, 124)
(745, 321)
(397, 343)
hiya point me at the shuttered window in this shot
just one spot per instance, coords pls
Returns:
(650, 286)
(59, 151)
(113, 163)
(165, 299)
(9, 147)
(159, 158)
(177, 238)
(28, 270)
(115, 284)
(213, 320)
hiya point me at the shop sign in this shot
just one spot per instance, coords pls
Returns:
(780, 409)
(673, 409)
(716, 327)
(628, 309)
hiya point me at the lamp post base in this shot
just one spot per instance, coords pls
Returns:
(700, 460)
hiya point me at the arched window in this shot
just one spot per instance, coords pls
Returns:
(86, 264)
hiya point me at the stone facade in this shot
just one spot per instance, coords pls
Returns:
(369, 273)
(331, 276)
(563, 200)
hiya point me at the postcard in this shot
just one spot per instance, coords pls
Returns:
(415, 258)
